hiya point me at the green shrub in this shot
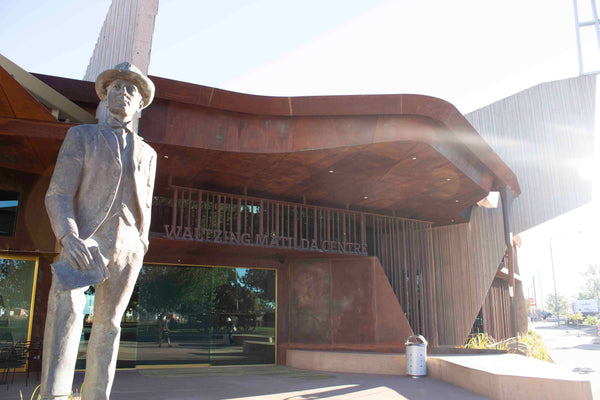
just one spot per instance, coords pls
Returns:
(484, 341)
(575, 317)
(591, 320)
(536, 348)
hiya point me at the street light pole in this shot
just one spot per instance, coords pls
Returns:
(554, 276)
(555, 292)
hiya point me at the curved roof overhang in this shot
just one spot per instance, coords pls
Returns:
(408, 155)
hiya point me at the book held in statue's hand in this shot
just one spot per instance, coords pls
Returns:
(69, 277)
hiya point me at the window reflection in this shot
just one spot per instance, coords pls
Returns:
(197, 315)
(9, 202)
(17, 276)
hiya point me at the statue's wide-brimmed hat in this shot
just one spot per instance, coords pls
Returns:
(128, 72)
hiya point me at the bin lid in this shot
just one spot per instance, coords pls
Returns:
(415, 340)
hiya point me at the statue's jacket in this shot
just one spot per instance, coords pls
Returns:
(86, 178)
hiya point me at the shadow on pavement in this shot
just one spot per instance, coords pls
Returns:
(583, 370)
(587, 347)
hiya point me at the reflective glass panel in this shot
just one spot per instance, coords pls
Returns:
(244, 316)
(188, 315)
(174, 313)
(17, 277)
(9, 203)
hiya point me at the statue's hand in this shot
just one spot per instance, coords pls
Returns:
(76, 250)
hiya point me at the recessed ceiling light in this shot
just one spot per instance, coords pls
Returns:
(451, 220)
(456, 201)
(366, 197)
(448, 179)
(165, 156)
(331, 171)
(414, 158)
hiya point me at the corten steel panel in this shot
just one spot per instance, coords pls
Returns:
(347, 105)
(310, 302)
(182, 91)
(352, 302)
(256, 145)
(5, 108)
(410, 128)
(18, 154)
(330, 132)
(249, 103)
(257, 134)
(157, 119)
(33, 231)
(378, 107)
(193, 126)
(391, 325)
(20, 102)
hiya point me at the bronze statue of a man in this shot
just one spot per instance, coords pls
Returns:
(99, 203)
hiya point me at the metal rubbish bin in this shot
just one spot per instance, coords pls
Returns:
(416, 356)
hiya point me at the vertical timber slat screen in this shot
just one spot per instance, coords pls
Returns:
(543, 134)
(403, 246)
(466, 257)
(496, 311)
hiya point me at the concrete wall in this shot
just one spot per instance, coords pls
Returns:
(126, 35)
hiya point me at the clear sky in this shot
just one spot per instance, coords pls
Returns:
(468, 52)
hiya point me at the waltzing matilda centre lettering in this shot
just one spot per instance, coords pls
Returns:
(262, 240)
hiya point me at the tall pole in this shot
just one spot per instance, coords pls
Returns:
(555, 292)
(554, 276)
(541, 290)
(534, 294)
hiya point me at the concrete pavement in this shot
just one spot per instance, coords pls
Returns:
(576, 349)
(263, 382)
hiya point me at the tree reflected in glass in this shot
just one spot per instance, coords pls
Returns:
(16, 285)
(198, 315)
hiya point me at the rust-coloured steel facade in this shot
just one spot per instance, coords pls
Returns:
(352, 199)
